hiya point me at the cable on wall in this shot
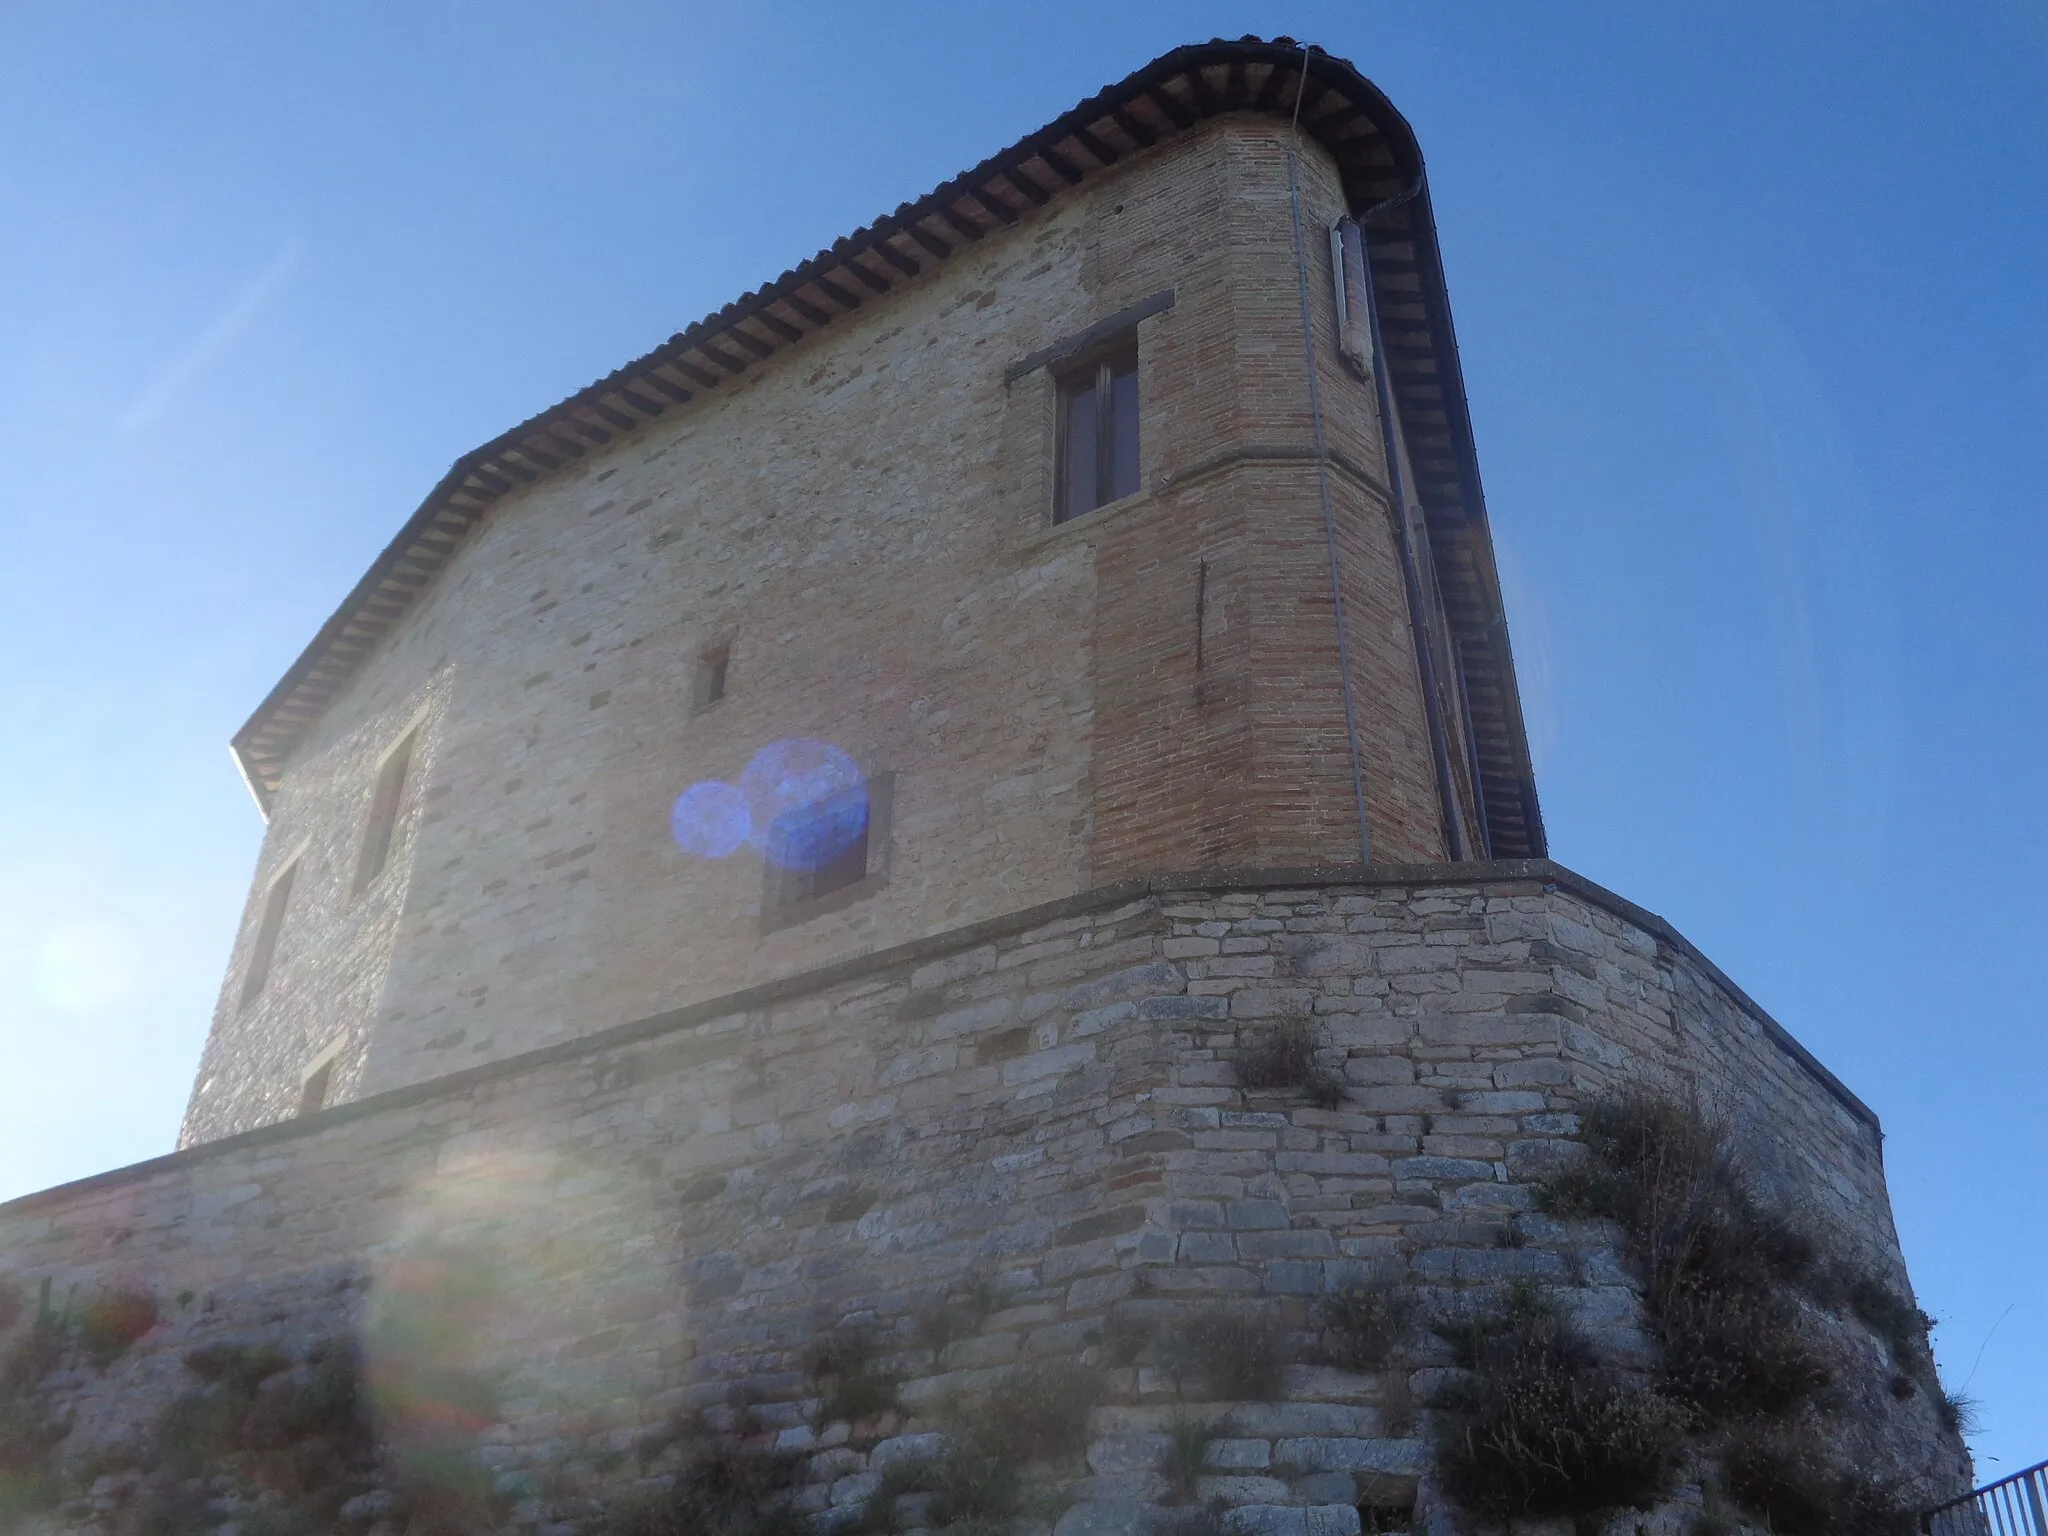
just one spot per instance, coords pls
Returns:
(1315, 408)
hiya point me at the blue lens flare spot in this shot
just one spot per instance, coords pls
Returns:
(710, 820)
(806, 803)
(813, 836)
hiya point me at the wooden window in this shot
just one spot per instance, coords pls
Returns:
(385, 801)
(264, 949)
(820, 848)
(313, 1092)
(828, 854)
(713, 666)
(1098, 431)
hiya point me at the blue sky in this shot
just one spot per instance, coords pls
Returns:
(1754, 315)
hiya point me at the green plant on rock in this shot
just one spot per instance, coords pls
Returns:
(1365, 1321)
(1323, 1088)
(975, 1481)
(959, 1311)
(1123, 1337)
(1726, 1280)
(1282, 1056)
(1539, 1428)
(201, 1427)
(1800, 1486)
(722, 1491)
(1040, 1412)
(1285, 1057)
(326, 1400)
(295, 1435)
(241, 1366)
(1186, 1459)
(113, 1320)
(1736, 1293)
(1957, 1412)
(1232, 1353)
(31, 1426)
(976, 1478)
(853, 1386)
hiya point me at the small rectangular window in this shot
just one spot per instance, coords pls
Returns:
(709, 687)
(264, 948)
(385, 802)
(828, 854)
(1098, 432)
(313, 1093)
(819, 848)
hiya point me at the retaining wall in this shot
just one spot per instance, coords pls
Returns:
(1041, 1112)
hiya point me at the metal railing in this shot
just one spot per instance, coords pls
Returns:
(2012, 1506)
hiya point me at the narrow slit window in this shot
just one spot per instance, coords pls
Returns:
(268, 927)
(385, 801)
(1098, 432)
(713, 668)
(313, 1094)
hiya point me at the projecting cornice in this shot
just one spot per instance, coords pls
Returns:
(1378, 158)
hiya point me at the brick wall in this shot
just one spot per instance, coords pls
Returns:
(1048, 1102)
(867, 523)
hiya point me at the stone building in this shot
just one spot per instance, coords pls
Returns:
(834, 511)
(814, 826)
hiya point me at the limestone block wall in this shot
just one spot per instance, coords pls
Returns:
(866, 525)
(1043, 1113)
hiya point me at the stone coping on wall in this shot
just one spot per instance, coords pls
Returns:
(1478, 874)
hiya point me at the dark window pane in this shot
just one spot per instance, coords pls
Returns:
(1077, 474)
(1123, 422)
(820, 848)
(848, 868)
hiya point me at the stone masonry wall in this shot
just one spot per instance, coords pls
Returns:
(1042, 1111)
(866, 524)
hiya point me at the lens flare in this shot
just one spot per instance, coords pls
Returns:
(490, 1301)
(710, 820)
(802, 803)
(812, 836)
(85, 969)
(806, 802)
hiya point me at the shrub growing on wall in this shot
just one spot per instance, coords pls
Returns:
(1365, 1321)
(1231, 1353)
(1738, 1296)
(109, 1322)
(1538, 1428)
(1284, 1056)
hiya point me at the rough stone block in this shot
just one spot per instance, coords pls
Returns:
(1127, 1453)
(1323, 1453)
(1237, 1454)
(1284, 1520)
(1254, 1215)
